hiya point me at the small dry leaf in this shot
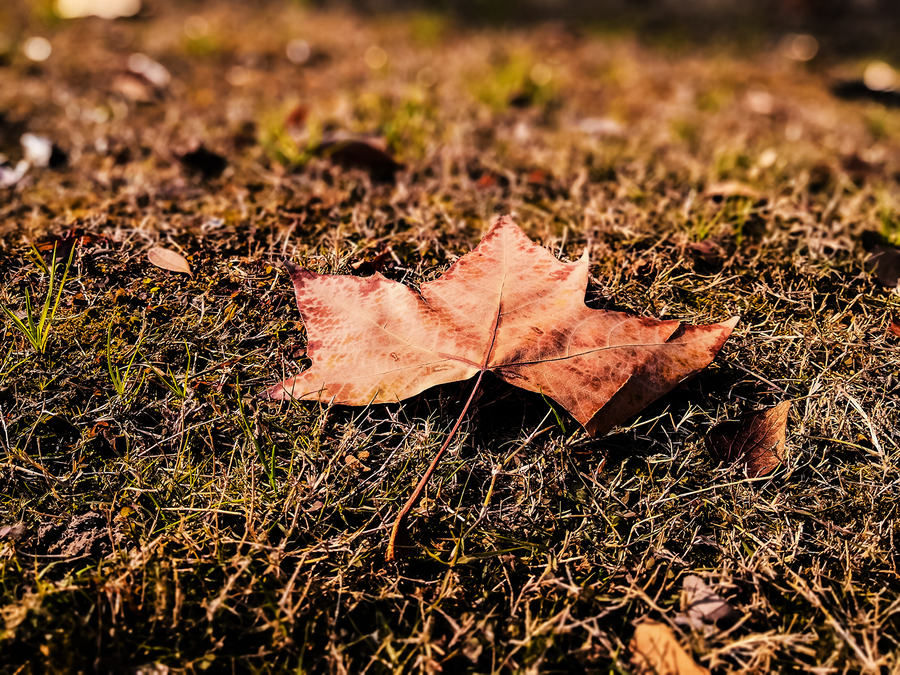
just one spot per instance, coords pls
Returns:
(10, 176)
(360, 152)
(894, 328)
(884, 259)
(198, 158)
(168, 260)
(702, 604)
(709, 251)
(13, 532)
(62, 245)
(486, 181)
(755, 439)
(731, 188)
(376, 264)
(884, 263)
(655, 651)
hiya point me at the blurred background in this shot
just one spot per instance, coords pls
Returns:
(147, 95)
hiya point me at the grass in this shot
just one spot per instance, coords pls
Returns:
(172, 519)
(37, 329)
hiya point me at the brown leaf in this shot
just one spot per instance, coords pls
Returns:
(709, 251)
(884, 263)
(360, 153)
(376, 264)
(894, 328)
(655, 651)
(508, 307)
(486, 180)
(13, 532)
(198, 158)
(296, 119)
(168, 260)
(63, 244)
(701, 604)
(755, 439)
(732, 188)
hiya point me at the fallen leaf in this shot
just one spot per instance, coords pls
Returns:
(731, 188)
(884, 259)
(359, 152)
(701, 604)
(168, 260)
(63, 244)
(376, 264)
(296, 119)
(709, 251)
(755, 439)
(154, 72)
(13, 532)
(134, 87)
(655, 651)
(199, 159)
(508, 307)
(41, 152)
(894, 328)
(9, 176)
(486, 181)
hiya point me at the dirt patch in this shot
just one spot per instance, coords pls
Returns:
(90, 535)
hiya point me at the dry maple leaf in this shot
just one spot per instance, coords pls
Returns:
(655, 651)
(508, 307)
(756, 439)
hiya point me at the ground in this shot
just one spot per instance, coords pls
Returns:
(159, 516)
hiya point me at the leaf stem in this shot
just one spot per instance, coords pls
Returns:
(399, 528)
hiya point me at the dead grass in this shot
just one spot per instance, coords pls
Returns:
(250, 536)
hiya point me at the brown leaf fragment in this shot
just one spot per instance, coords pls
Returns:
(13, 532)
(201, 160)
(361, 153)
(731, 188)
(894, 328)
(756, 439)
(884, 263)
(296, 119)
(709, 251)
(168, 260)
(134, 87)
(376, 264)
(655, 651)
(62, 245)
(700, 604)
(508, 307)
(10, 176)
